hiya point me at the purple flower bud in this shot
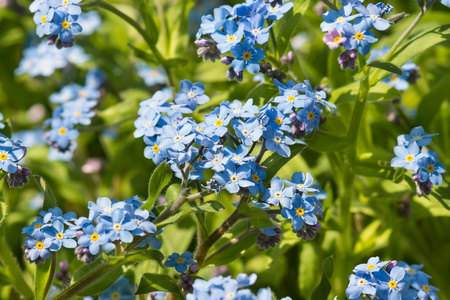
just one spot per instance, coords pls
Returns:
(59, 276)
(226, 60)
(52, 39)
(231, 74)
(202, 43)
(293, 117)
(193, 269)
(391, 265)
(64, 266)
(240, 76)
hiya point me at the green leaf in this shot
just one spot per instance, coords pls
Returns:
(387, 66)
(309, 271)
(144, 55)
(208, 206)
(146, 11)
(157, 282)
(275, 162)
(49, 197)
(172, 193)
(399, 175)
(415, 46)
(233, 252)
(289, 24)
(258, 217)
(4, 277)
(432, 101)
(3, 209)
(441, 195)
(160, 178)
(262, 93)
(7, 130)
(322, 291)
(330, 137)
(43, 277)
(137, 256)
(177, 62)
(178, 26)
(380, 92)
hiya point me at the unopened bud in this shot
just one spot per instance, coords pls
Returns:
(226, 60)
(397, 17)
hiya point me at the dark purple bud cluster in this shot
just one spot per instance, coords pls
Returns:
(18, 179)
(84, 255)
(347, 59)
(265, 241)
(207, 49)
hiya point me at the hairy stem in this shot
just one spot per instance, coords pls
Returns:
(48, 284)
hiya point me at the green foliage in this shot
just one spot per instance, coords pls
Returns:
(157, 282)
(43, 277)
(322, 291)
(49, 197)
(209, 206)
(159, 179)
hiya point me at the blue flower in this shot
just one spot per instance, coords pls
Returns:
(156, 149)
(211, 24)
(276, 141)
(151, 76)
(372, 265)
(277, 193)
(180, 262)
(117, 227)
(79, 111)
(62, 133)
(216, 122)
(179, 138)
(249, 132)
(239, 110)
(417, 135)
(39, 246)
(277, 12)
(398, 82)
(247, 57)
(358, 37)
(215, 160)
(1, 124)
(229, 37)
(10, 154)
(43, 20)
(254, 29)
(336, 20)
(103, 207)
(90, 21)
(65, 25)
(68, 6)
(392, 285)
(153, 103)
(42, 5)
(310, 116)
(407, 156)
(372, 15)
(317, 96)
(93, 237)
(67, 93)
(191, 94)
(413, 271)
(56, 213)
(34, 227)
(152, 241)
(278, 120)
(121, 289)
(430, 168)
(424, 290)
(244, 280)
(301, 211)
(360, 283)
(249, 9)
(289, 100)
(238, 157)
(302, 182)
(59, 236)
(146, 124)
(445, 2)
(257, 175)
(234, 179)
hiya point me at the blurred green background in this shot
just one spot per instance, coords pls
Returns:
(388, 220)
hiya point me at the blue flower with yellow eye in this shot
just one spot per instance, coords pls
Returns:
(70, 7)
(121, 289)
(407, 156)
(247, 57)
(301, 211)
(234, 179)
(65, 25)
(43, 19)
(310, 116)
(430, 168)
(10, 154)
(229, 37)
(180, 262)
(358, 37)
(62, 133)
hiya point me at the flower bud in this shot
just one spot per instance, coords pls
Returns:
(397, 17)
(52, 39)
(193, 269)
(64, 266)
(231, 74)
(391, 265)
(266, 241)
(226, 60)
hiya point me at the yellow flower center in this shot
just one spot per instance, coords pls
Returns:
(279, 121)
(394, 78)
(94, 237)
(148, 124)
(3, 156)
(117, 227)
(291, 98)
(44, 19)
(370, 267)
(115, 295)
(219, 123)
(77, 114)
(59, 236)
(65, 2)
(411, 271)
(430, 168)
(40, 245)
(300, 211)
(180, 260)
(217, 160)
(272, 9)
(337, 39)
(311, 116)
(65, 25)
(155, 148)
(255, 177)
(37, 225)
(234, 178)
(231, 38)
(177, 138)
(409, 158)
(62, 131)
(278, 194)
(359, 36)
(247, 55)
(277, 139)
(426, 288)
(237, 158)
(392, 284)
(199, 129)
(245, 132)
(340, 19)
(300, 185)
(362, 282)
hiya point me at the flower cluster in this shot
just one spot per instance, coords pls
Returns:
(354, 36)
(152, 76)
(11, 152)
(43, 60)
(57, 18)
(237, 30)
(411, 156)
(401, 83)
(109, 222)
(390, 280)
(76, 103)
(227, 288)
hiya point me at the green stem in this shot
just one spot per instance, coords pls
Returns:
(330, 5)
(14, 271)
(142, 32)
(274, 41)
(48, 285)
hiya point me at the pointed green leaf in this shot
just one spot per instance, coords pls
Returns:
(43, 277)
(381, 91)
(3, 210)
(322, 291)
(146, 11)
(399, 175)
(49, 197)
(160, 178)
(275, 162)
(209, 206)
(145, 56)
(387, 66)
(258, 217)
(157, 282)
(138, 256)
